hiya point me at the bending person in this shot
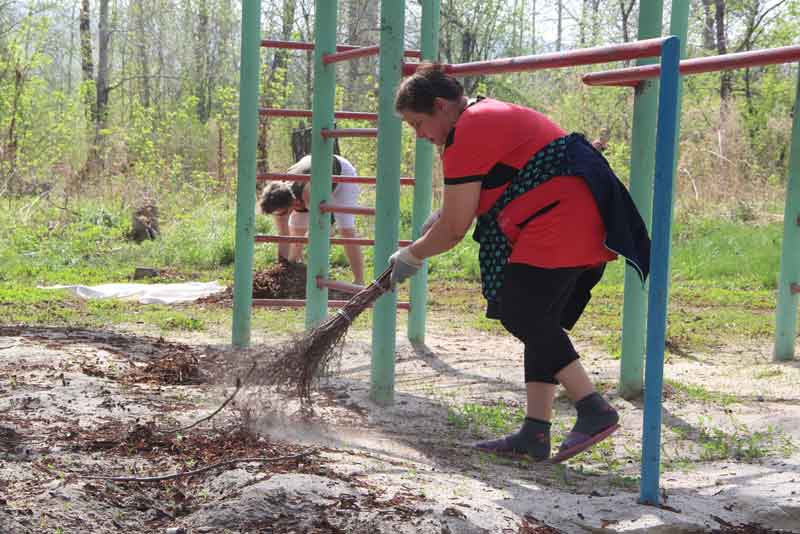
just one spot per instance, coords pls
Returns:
(288, 204)
(550, 214)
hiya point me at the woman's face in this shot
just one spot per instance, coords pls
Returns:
(435, 126)
(295, 205)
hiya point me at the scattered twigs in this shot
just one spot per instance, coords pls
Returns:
(193, 472)
(239, 382)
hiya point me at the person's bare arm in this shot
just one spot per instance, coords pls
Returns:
(458, 211)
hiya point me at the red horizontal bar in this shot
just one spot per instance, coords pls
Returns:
(344, 287)
(794, 288)
(327, 59)
(349, 132)
(739, 60)
(300, 45)
(300, 303)
(568, 58)
(357, 115)
(337, 178)
(338, 208)
(334, 240)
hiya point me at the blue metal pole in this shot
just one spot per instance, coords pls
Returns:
(659, 268)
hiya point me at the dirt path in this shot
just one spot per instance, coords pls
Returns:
(75, 403)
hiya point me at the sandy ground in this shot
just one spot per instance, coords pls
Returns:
(77, 404)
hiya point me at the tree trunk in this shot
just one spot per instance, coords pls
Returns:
(272, 92)
(87, 58)
(467, 54)
(8, 153)
(516, 29)
(103, 49)
(533, 27)
(362, 21)
(309, 92)
(595, 22)
(625, 13)
(709, 43)
(582, 23)
(725, 85)
(560, 25)
(201, 46)
(141, 30)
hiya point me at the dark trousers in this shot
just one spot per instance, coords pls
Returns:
(538, 305)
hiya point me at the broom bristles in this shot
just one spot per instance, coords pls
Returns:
(294, 367)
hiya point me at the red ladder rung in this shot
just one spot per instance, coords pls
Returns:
(300, 240)
(283, 112)
(337, 178)
(338, 208)
(344, 287)
(327, 59)
(348, 132)
(300, 303)
(301, 45)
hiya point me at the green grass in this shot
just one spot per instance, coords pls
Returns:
(698, 393)
(494, 419)
(708, 442)
(722, 288)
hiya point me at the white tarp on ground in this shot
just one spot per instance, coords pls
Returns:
(146, 293)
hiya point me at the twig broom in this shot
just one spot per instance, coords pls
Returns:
(295, 366)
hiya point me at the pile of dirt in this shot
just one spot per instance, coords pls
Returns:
(173, 367)
(282, 280)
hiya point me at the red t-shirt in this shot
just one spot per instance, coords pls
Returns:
(490, 143)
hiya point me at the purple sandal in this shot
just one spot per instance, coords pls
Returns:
(578, 442)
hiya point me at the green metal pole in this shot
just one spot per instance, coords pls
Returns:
(643, 143)
(387, 205)
(678, 26)
(246, 173)
(786, 320)
(423, 167)
(319, 226)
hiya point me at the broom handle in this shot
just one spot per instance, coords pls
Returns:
(383, 280)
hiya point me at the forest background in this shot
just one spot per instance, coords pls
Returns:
(106, 105)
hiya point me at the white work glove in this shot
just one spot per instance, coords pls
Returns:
(404, 265)
(432, 218)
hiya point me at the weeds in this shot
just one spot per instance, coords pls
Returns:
(481, 419)
(708, 442)
(698, 393)
(740, 443)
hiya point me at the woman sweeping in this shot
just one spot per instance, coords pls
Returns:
(550, 214)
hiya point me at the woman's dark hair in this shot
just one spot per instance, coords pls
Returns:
(418, 91)
(276, 196)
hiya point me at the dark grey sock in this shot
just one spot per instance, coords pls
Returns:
(533, 440)
(595, 414)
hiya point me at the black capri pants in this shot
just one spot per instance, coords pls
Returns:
(537, 305)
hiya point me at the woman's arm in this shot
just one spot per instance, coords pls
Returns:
(458, 211)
